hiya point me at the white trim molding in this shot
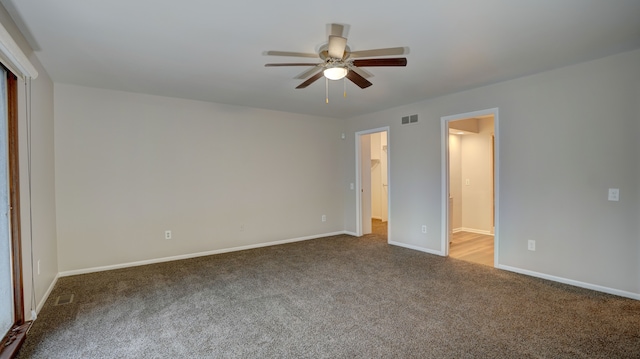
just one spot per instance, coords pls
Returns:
(47, 294)
(572, 282)
(13, 57)
(194, 255)
(444, 140)
(416, 248)
(472, 230)
(358, 185)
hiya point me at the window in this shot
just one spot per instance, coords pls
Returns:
(11, 301)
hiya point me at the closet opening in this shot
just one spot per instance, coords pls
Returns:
(469, 187)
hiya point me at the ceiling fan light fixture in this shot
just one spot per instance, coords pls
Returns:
(335, 73)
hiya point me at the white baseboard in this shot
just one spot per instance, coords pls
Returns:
(472, 230)
(193, 255)
(47, 294)
(421, 249)
(576, 283)
(595, 287)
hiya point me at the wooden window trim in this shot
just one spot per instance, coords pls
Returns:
(17, 334)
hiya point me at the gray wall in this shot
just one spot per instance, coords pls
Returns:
(130, 166)
(42, 203)
(37, 212)
(565, 136)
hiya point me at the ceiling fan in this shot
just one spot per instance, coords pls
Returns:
(338, 61)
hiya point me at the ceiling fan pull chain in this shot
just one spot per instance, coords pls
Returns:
(326, 88)
(344, 83)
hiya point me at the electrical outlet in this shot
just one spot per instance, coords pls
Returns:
(614, 194)
(531, 245)
(424, 228)
(324, 218)
(167, 234)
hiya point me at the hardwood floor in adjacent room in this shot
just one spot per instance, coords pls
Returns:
(378, 227)
(472, 247)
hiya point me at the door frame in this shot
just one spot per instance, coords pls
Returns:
(358, 188)
(446, 177)
(13, 160)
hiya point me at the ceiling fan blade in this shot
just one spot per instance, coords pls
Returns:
(310, 80)
(307, 73)
(358, 80)
(337, 44)
(290, 54)
(398, 61)
(291, 64)
(362, 72)
(381, 52)
(336, 30)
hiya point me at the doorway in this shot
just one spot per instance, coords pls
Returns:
(470, 186)
(372, 182)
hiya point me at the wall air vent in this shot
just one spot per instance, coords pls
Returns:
(409, 119)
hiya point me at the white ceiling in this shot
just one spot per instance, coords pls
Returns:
(213, 50)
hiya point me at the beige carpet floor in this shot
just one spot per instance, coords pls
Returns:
(335, 297)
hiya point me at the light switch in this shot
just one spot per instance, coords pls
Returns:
(466, 181)
(614, 194)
